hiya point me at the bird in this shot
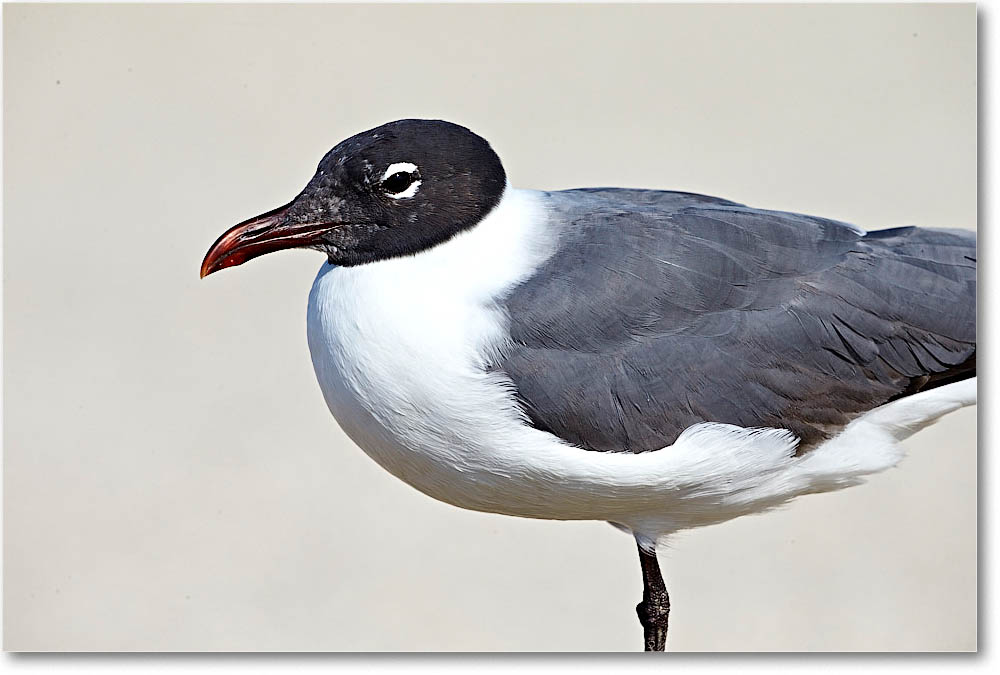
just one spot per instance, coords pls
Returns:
(658, 360)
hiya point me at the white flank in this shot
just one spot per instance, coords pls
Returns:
(399, 347)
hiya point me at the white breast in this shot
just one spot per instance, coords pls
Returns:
(399, 349)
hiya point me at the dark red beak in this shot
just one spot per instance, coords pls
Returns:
(255, 237)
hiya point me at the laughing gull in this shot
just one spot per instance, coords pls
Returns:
(658, 360)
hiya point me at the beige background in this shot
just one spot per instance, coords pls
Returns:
(172, 478)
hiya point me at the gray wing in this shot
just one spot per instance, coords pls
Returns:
(660, 310)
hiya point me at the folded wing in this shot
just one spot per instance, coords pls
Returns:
(661, 310)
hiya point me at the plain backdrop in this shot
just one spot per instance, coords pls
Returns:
(172, 478)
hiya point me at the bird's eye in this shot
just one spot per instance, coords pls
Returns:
(398, 182)
(401, 180)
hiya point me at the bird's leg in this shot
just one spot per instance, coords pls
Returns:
(654, 610)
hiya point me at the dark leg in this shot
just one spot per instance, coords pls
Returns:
(654, 610)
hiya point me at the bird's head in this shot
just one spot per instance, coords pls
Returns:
(394, 190)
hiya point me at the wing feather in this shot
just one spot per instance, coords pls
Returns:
(663, 309)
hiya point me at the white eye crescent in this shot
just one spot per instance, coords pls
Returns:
(401, 177)
(406, 167)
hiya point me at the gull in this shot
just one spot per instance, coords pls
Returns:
(658, 360)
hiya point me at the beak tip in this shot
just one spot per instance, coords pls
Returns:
(205, 270)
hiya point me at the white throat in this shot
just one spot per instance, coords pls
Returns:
(477, 264)
(399, 345)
